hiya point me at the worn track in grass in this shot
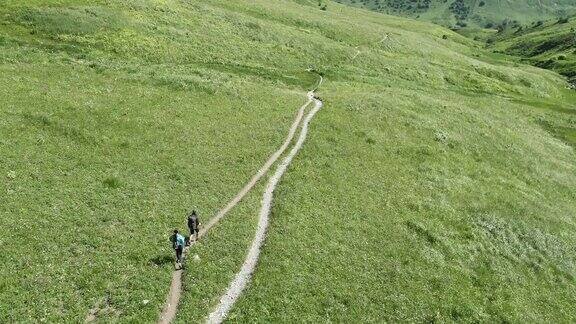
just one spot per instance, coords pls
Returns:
(241, 279)
(173, 298)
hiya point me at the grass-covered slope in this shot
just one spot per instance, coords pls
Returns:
(470, 12)
(551, 45)
(115, 121)
(437, 182)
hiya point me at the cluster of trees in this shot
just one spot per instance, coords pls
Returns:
(399, 6)
(508, 24)
(460, 10)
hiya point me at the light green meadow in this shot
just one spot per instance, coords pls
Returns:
(437, 183)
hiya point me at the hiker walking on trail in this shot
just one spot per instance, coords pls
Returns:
(178, 243)
(193, 225)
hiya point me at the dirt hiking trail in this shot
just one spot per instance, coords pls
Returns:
(173, 298)
(243, 276)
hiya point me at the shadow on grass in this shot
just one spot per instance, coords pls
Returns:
(161, 260)
(545, 105)
(565, 134)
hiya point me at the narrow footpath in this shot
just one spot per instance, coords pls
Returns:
(243, 276)
(173, 298)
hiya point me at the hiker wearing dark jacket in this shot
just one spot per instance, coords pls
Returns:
(178, 243)
(193, 225)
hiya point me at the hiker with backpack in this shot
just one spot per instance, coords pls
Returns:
(193, 226)
(178, 243)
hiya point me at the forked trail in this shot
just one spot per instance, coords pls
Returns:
(173, 298)
(243, 276)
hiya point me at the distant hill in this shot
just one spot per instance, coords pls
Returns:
(550, 45)
(470, 12)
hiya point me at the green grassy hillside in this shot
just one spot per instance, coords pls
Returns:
(550, 45)
(470, 12)
(437, 182)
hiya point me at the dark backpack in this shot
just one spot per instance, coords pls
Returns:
(193, 222)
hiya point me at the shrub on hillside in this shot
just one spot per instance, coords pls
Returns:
(112, 182)
(545, 64)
